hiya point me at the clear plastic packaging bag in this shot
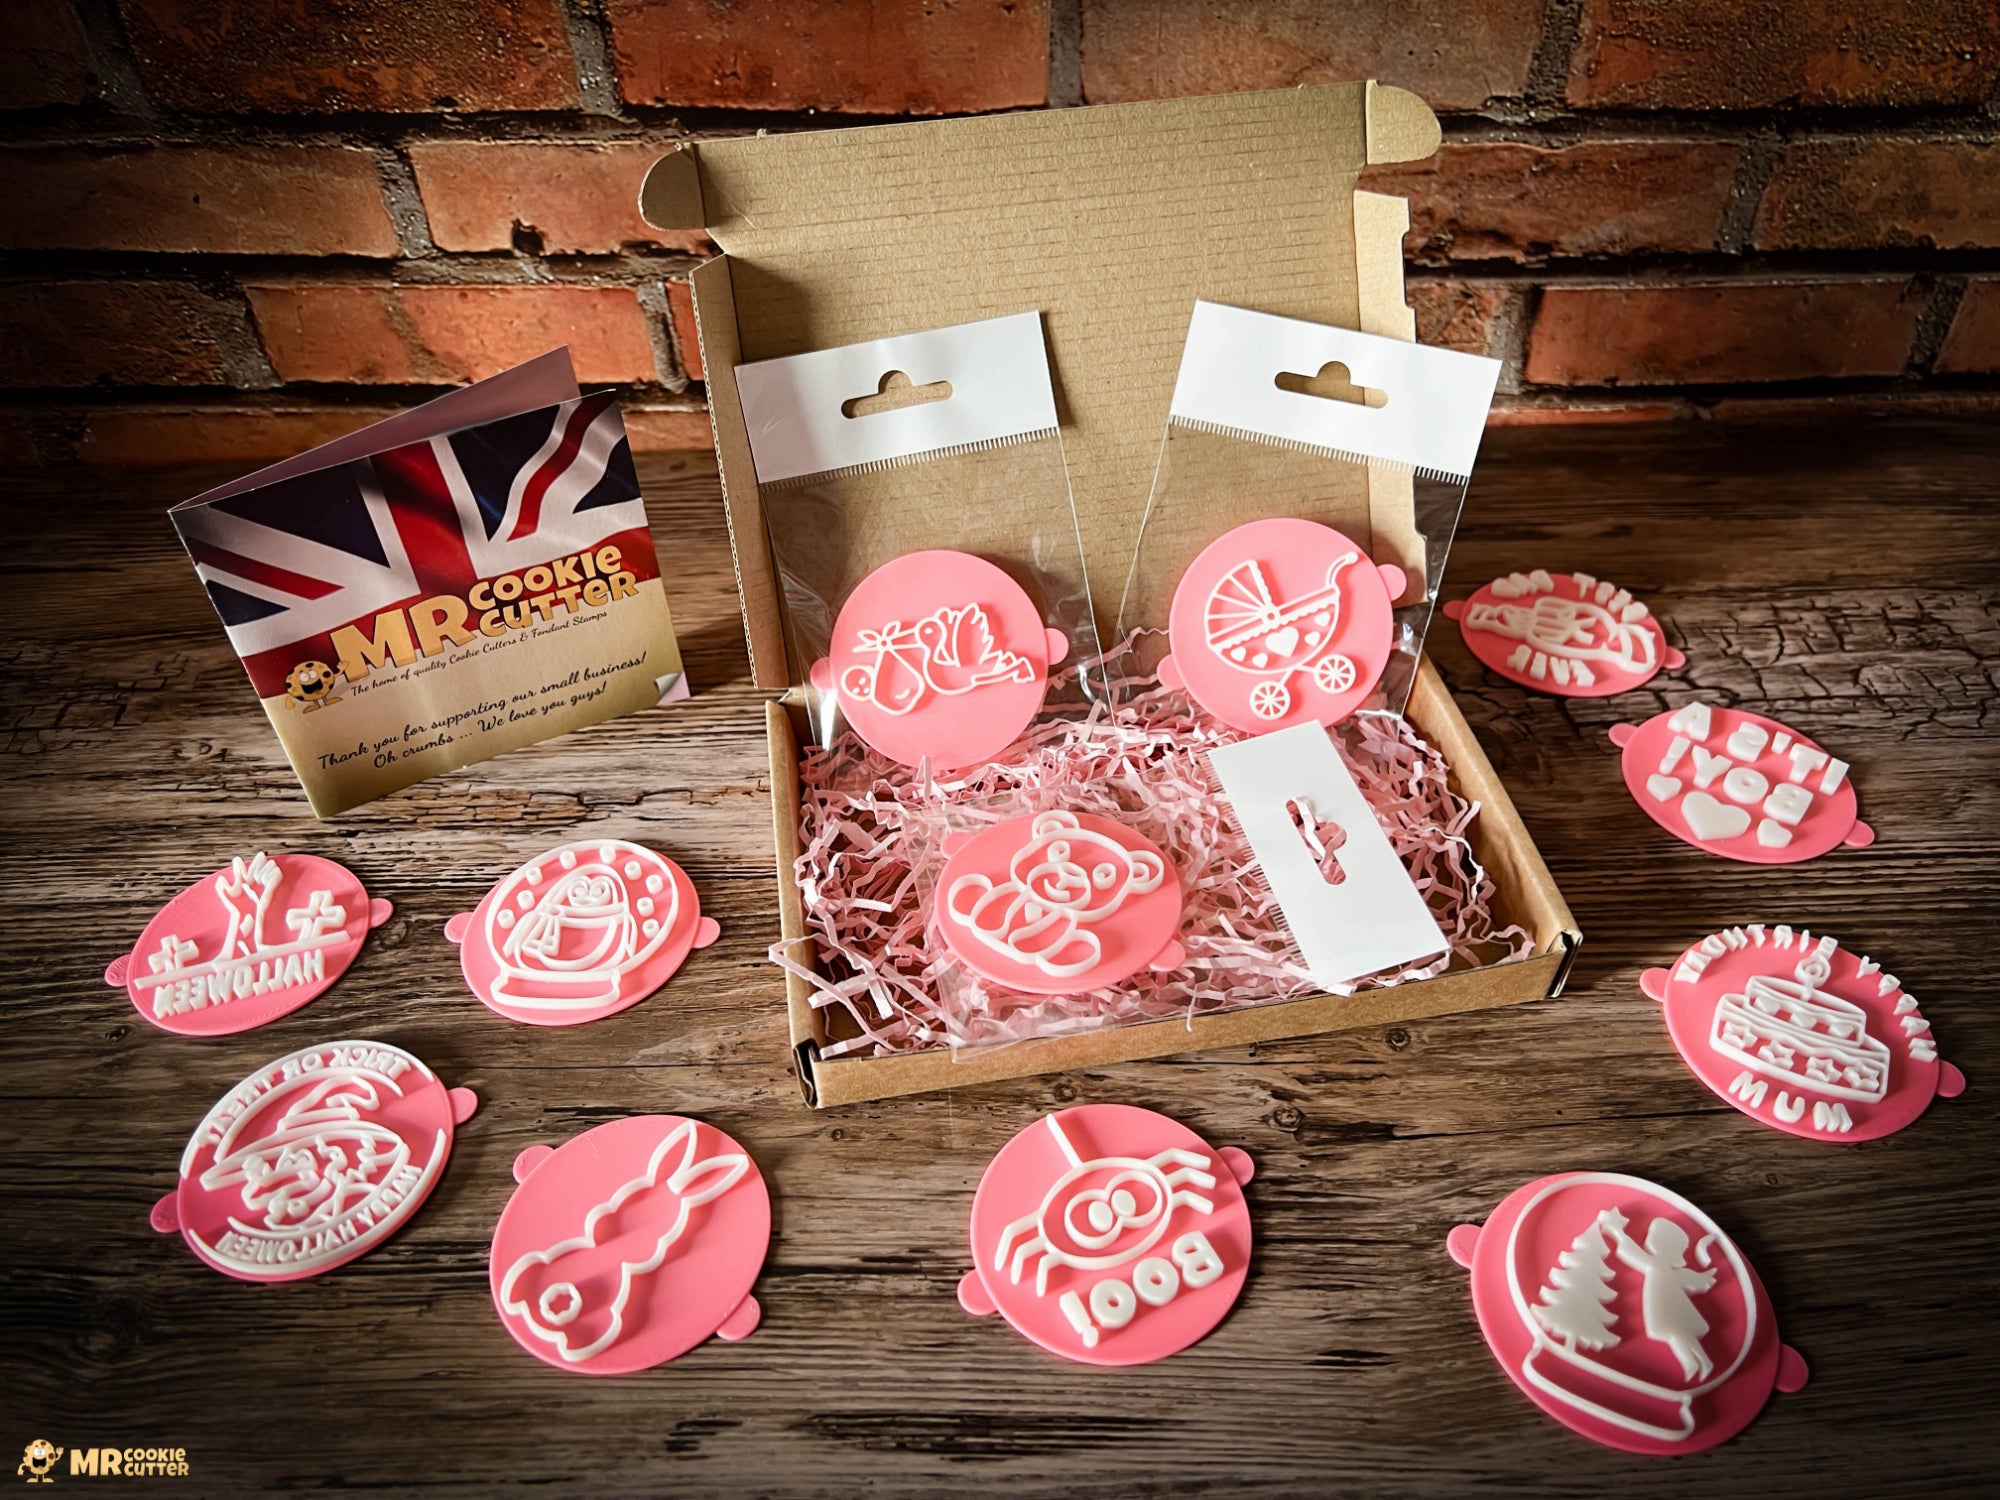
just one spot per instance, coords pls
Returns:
(917, 499)
(1308, 485)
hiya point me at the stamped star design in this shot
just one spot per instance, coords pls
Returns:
(1822, 1070)
(1778, 1055)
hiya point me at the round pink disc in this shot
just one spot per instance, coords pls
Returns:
(1057, 903)
(939, 654)
(1625, 1313)
(1740, 785)
(312, 1160)
(1109, 1235)
(580, 932)
(247, 944)
(1801, 1034)
(626, 1246)
(1564, 633)
(1281, 622)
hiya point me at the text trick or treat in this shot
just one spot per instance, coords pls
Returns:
(1624, 1312)
(580, 932)
(1802, 1034)
(1570, 634)
(1740, 785)
(1059, 902)
(629, 1244)
(460, 580)
(248, 944)
(312, 1160)
(1110, 1235)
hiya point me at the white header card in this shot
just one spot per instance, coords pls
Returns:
(997, 390)
(1430, 419)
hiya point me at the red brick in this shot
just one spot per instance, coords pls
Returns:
(1498, 201)
(687, 337)
(1678, 335)
(571, 198)
(115, 333)
(246, 200)
(1753, 54)
(1597, 414)
(1456, 56)
(440, 335)
(233, 56)
(886, 57)
(46, 59)
(142, 436)
(1453, 315)
(1858, 195)
(1861, 404)
(668, 430)
(1972, 347)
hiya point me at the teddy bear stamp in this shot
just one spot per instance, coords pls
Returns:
(1056, 903)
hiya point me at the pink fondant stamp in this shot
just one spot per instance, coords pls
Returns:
(1110, 1235)
(1740, 785)
(629, 1244)
(1056, 903)
(312, 1160)
(942, 655)
(1801, 1034)
(1564, 633)
(580, 932)
(247, 944)
(1624, 1312)
(1281, 622)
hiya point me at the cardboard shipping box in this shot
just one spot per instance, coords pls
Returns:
(1111, 221)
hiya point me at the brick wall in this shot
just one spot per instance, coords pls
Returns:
(236, 227)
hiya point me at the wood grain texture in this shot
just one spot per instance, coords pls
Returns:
(1846, 580)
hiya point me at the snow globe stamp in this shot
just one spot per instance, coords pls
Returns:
(628, 1245)
(1740, 785)
(1570, 634)
(1281, 622)
(1110, 1235)
(1624, 1312)
(580, 932)
(248, 944)
(1057, 903)
(939, 655)
(312, 1160)
(1801, 1034)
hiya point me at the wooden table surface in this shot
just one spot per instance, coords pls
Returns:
(1843, 579)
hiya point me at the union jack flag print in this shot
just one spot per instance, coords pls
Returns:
(289, 563)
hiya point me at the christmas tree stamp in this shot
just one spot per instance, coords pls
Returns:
(248, 944)
(580, 932)
(312, 1160)
(1624, 1312)
(1570, 634)
(1801, 1034)
(1110, 1235)
(629, 1244)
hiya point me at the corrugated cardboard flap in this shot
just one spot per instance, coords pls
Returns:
(1112, 221)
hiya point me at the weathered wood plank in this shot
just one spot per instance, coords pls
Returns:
(1846, 580)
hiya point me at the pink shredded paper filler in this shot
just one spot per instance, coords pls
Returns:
(871, 845)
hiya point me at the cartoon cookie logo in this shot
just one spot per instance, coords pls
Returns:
(310, 685)
(37, 1459)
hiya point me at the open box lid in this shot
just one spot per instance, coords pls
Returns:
(1112, 221)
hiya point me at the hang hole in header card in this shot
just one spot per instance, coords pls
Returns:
(894, 393)
(1332, 383)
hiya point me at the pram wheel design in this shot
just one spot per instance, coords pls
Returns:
(1270, 700)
